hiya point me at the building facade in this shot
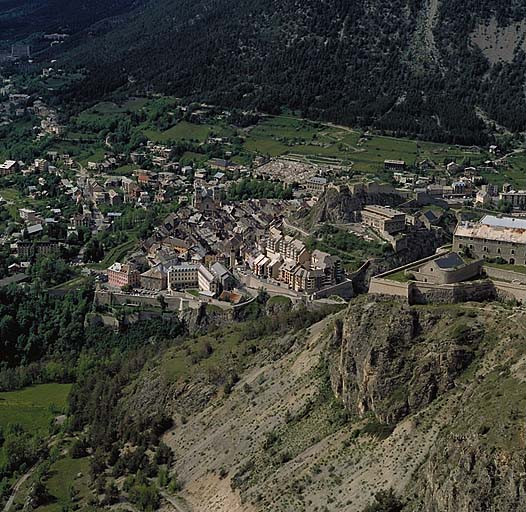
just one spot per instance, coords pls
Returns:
(182, 276)
(120, 275)
(493, 237)
(384, 219)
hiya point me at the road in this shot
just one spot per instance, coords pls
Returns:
(177, 503)
(16, 488)
(295, 228)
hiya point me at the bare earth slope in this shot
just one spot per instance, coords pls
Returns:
(447, 381)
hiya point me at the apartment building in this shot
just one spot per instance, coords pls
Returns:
(516, 198)
(120, 275)
(8, 167)
(182, 276)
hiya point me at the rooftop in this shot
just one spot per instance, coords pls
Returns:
(488, 232)
(449, 261)
(504, 222)
(384, 211)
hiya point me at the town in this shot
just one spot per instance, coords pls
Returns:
(151, 226)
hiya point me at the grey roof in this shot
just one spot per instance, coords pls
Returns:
(14, 279)
(36, 228)
(504, 222)
(451, 260)
(219, 270)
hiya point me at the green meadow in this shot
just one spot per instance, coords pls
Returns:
(314, 142)
(33, 407)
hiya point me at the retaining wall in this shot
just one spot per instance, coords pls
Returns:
(381, 286)
(505, 275)
(427, 293)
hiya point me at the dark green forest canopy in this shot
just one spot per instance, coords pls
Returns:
(348, 62)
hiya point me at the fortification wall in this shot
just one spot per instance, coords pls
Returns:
(380, 286)
(344, 289)
(120, 299)
(504, 275)
(427, 293)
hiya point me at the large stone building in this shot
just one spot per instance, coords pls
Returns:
(27, 249)
(182, 276)
(447, 269)
(120, 275)
(155, 279)
(493, 237)
(383, 219)
(316, 185)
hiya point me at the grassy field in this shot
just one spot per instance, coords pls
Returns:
(183, 131)
(515, 173)
(181, 362)
(189, 156)
(63, 482)
(282, 135)
(72, 284)
(279, 300)
(116, 254)
(33, 407)
(12, 195)
(400, 277)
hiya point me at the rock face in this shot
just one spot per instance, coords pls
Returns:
(398, 363)
(462, 475)
(393, 360)
(342, 206)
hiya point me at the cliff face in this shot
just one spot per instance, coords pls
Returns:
(334, 206)
(398, 363)
(341, 206)
(428, 401)
(394, 360)
(462, 475)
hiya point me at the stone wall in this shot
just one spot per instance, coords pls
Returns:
(504, 275)
(429, 293)
(119, 299)
(447, 276)
(344, 289)
(381, 286)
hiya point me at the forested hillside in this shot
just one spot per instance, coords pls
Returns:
(407, 66)
(21, 18)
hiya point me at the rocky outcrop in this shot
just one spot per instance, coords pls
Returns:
(394, 360)
(340, 205)
(462, 475)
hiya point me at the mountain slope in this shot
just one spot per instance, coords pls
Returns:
(22, 18)
(427, 401)
(407, 66)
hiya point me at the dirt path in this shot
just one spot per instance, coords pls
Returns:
(177, 504)
(17, 486)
